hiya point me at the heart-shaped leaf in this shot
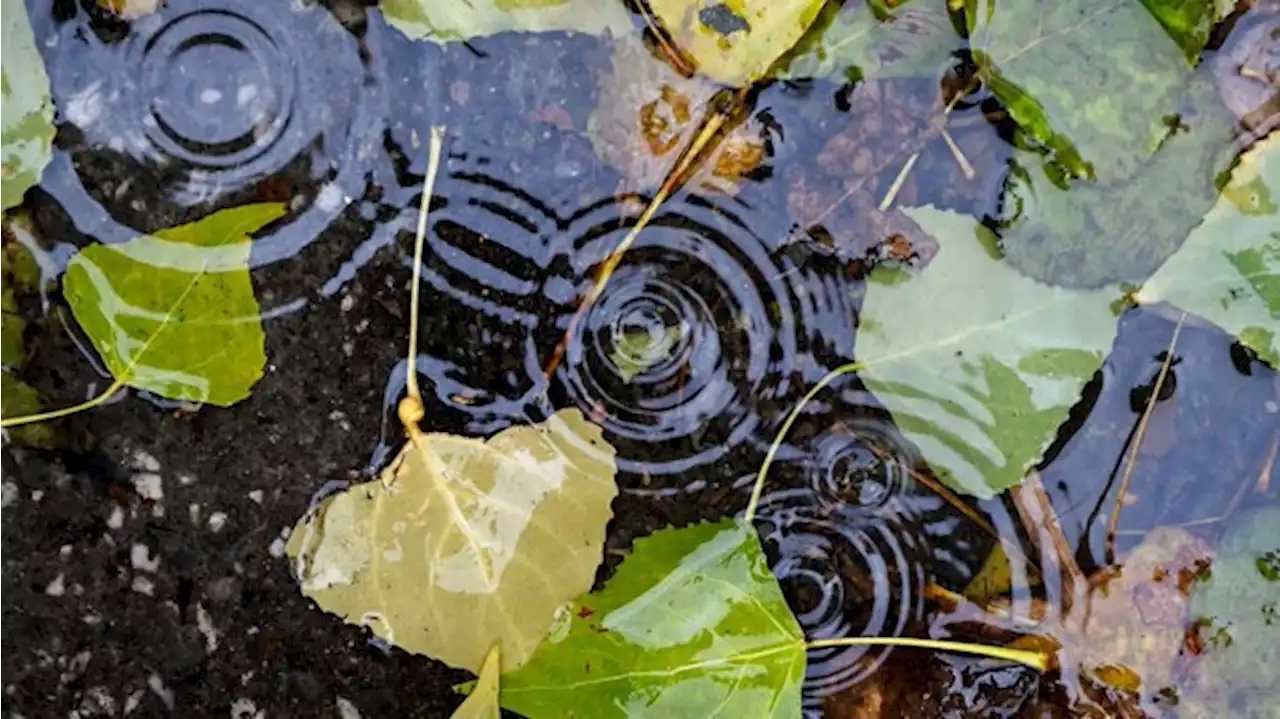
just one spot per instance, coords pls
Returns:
(692, 624)
(174, 313)
(465, 544)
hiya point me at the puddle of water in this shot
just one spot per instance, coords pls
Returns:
(714, 326)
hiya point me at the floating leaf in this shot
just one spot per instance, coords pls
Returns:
(483, 701)
(736, 42)
(1238, 606)
(174, 313)
(450, 563)
(980, 383)
(27, 126)
(459, 21)
(1228, 271)
(1104, 76)
(692, 624)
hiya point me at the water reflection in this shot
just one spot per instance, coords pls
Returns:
(206, 103)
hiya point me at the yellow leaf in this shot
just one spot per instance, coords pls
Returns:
(463, 545)
(735, 42)
(483, 702)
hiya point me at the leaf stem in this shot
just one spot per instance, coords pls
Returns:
(758, 489)
(102, 398)
(1035, 660)
(428, 189)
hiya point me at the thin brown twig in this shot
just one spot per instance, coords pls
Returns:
(1131, 462)
(1038, 517)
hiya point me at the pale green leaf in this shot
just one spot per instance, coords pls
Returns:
(853, 41)
(693, 624)
(459, 21)
(1189, 22)
(451, 564)
(640, 349)
(1228, 271)
(979, 364)
(174, 313)
(1238, 606)
(1101, 75)
(483, 701)
(27, 125)
(735, 42)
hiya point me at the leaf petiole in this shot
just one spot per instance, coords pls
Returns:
(1035, 660)
(102, 398)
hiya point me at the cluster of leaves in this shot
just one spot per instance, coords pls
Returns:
(481, 553)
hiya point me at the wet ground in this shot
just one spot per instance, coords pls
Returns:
(144, 570)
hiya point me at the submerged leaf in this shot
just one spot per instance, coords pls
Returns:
(640, 349)
(460, 21)
(27, 125)
(1237, 605)
(1228, 272)
(450, 566)
(852, 41)
(692, 625)
(174, 313)
(736, 42)
(1189, 22)
(1100, 76)
(981, 383)
(22, 399)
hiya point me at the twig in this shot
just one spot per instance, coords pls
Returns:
(898, 182)
(1113, 522)
(958, 154)
(1035, 509)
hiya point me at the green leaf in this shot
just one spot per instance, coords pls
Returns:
(463, 544)
(174, 313)
(1189, 22)
(854, 41)
(1103, 74)
(1228, 272)
(692, 625)
(735, 42)
(978, 364)
(1092, 234)
(640, 349)
(1238, 606)
(459, 21)
(27, 125)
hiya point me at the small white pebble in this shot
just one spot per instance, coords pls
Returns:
(37, 495)
(210, 96)
(204, 622)
(65, 551)
(244, 708)
(217, 521)
(186, 480)
(256, 496)
(145, 461)
(149, 485)
(276, 550)
(57, 587)
(348, 302)
(116, 520)
(347, 710)
(92, 618)
(140, 558)
(142, 585)
(193, 511)
(132, 702)
(10, 494)
(157, 685)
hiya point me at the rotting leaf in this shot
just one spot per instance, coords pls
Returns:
(852, 41)
(638, 350)
(21, 399)
(460, 21)
(692, 624)
(1228, 271)
(647, 114)
(1237, 607)
(27, 125)
(982, 385)
(735, 42)
(174, 313)
(451, 563)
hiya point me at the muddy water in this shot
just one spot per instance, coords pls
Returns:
(713, 327)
